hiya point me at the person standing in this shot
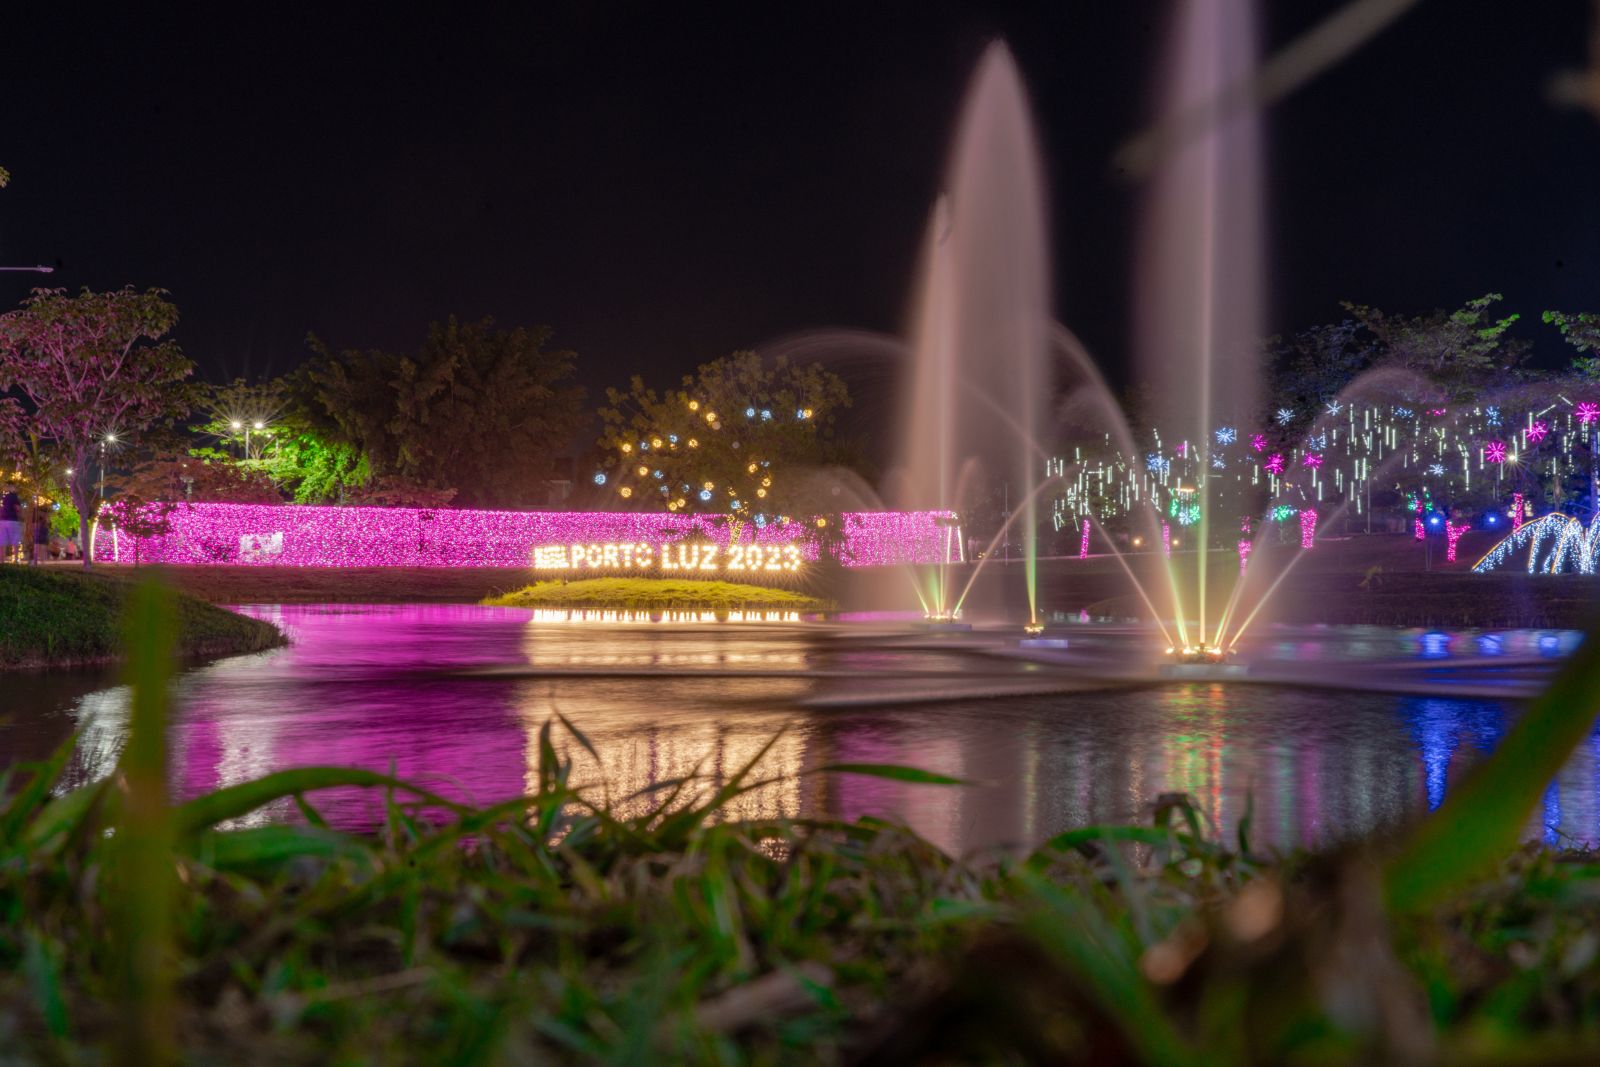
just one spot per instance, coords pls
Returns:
(10, 525)
(41, 534)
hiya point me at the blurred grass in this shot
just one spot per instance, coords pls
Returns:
(658, 594)
(53, 616)
(552, 930)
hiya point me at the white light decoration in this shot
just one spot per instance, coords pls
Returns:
(1557, 543)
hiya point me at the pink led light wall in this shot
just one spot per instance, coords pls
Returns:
(291, 536)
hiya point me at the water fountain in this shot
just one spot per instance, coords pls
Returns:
(980, 345)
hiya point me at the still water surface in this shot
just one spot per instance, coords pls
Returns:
(454, 696)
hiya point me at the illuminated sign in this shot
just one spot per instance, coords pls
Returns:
(673, 558)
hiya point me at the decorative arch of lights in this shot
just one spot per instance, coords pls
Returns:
(1556, 543)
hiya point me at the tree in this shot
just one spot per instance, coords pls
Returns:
(477, 410)
(1315, 365)
(1582, 332)
(96, 367)
(1460, 352)
(735, 437)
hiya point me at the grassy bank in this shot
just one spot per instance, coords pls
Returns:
(57, 617)
(551, 931)
(658, 594)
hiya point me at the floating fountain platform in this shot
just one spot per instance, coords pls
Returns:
(944, 624)
(1201, 663)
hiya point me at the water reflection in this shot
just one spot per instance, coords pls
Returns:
(455, 696)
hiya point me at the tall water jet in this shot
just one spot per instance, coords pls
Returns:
(1198, 312)
(981, 332)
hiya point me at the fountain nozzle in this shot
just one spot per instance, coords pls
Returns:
(1201, 653)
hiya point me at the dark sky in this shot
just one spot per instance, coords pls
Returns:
(663, 184)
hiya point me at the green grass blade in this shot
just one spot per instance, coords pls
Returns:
(892, 771)
(234, 801)
(142, 858)
(1481, 820)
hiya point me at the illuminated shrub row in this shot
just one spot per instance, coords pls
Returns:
(292, 536)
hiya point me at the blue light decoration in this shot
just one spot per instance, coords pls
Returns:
(657, 475)
(1436, 468)
(1284, 416)
(672, 437)
(1156, 463)
(1435, 645)
(1227, 435)
(705, 494)
(766, 415)
(1493, 414)
(1333, 407)
(1218, 463)
(599, 478)
(1404, 413)
(749, 413)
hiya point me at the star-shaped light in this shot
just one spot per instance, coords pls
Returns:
(1258, 441)
(1284, 415)
(1587, 411)
(1495, 451)
(1436, 468)
(1275, 463)
(1494, 414)
(1227, 435)
(1333, 407)
(1536, 432)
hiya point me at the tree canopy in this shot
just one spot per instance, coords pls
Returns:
(1461, 352)
(476, 413)
(735, 437)
(98, 369)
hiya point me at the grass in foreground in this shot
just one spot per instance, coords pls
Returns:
(51, 617)
(658, 594)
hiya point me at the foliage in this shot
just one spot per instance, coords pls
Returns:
(658, 594)
(477, 410)
(1315, 365)
(55, 618)
(1582, 331)
(93, 365)
(738, 437)
(1460, 352)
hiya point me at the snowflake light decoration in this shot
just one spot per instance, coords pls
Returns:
(1333, 407)
(1275, 463)
(1495, 452)
(1536, 432)
(1317, 442)
(1258, 441)
(1311, 460)
(1284, 416)
(1587, 411)
(1227, 435)
(1436, 468)
(1218, 463)
(1403, 413)
(1493, 414)
(1156, 463)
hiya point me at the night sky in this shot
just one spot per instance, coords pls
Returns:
(663, 187)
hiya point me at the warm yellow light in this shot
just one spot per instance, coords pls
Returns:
(767, 480)
(709, 485)
(694, 405)
(627, 447)
(626, 492)
(694, 442)
(643, 470)
(751, 468)
(1137, 541)
(821, 522)
(806, 414)
(655, 442)
(761, 492)
(711, 416)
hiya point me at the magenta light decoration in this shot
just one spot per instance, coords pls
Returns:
(296, 536)
(1516, 512)
(1308, 527)
(1452, 534)
(1083, 542)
